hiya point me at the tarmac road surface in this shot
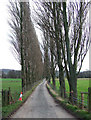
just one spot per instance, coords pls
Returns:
(41, 105)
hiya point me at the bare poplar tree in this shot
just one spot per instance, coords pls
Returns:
(70, 33)
(25, 43)
(76, 40)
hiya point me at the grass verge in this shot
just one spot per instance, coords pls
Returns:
(74, 110)
(82, 86)
(8, 110)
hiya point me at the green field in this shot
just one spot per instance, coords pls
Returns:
(82, 86)
(14, 84)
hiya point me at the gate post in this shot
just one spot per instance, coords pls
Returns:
(89, 99)
(82, 100)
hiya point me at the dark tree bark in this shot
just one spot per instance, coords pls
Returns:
(25, 44)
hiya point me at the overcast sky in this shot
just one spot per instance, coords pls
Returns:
(7, 59)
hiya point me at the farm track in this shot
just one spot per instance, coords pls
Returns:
(41, 105)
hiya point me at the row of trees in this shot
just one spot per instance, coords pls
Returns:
(66, 40)
(25, 44)
(85, 74)
(11, 74)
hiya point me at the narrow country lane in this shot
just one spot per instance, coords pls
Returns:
(41, 105)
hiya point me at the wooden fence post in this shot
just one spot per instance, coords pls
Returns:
(89, 99)
(6, 97)
(2, 98)
(9, 96)
(72, 98)
(82, 100)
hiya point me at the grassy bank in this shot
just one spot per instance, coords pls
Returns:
(74, 110)
(15, 85)
(82, 86)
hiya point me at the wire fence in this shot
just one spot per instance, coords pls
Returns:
(81, 100)
(9, 96)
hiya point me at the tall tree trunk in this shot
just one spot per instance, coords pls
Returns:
(72, 73)
(61, 73)
(73, 87)
(52, 61)
(21, 39)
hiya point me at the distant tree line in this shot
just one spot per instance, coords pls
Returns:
(11, 74)
(85, 74)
